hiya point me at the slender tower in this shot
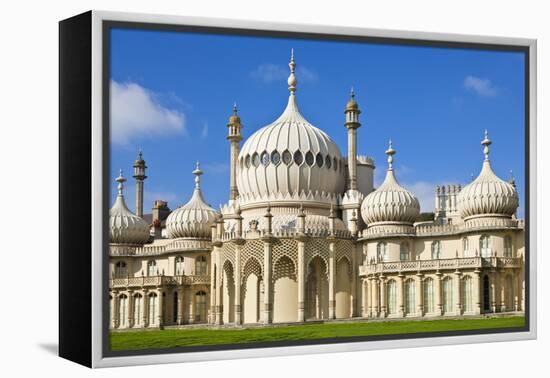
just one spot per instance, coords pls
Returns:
(352, 124)
(139, 175)
(234, 137)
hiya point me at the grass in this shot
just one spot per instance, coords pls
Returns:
(170, 338)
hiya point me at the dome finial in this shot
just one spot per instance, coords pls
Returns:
(292, 82)
(390, 152)
(121, 180)
(235, 108)
(197, 172)
(486, 142)
(352, 93)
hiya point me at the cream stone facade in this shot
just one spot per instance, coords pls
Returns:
(305, 236)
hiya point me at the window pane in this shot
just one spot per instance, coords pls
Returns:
(287, 157)
(298, 157)
(309, 158)
(265, 158)
(275, 157)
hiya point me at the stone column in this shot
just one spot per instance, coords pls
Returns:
(161, 307)
(364, 296)
(192, 308)
(383, 310)
(493, 291)
(130, 308)
(116, 311)
(438, 304)
(268, 310)
(331, 279)
(181, 305)
(400, 296)
(457, 292)
(502, 291)
(238, 306)
(354, 280)
(301, 280)
(419, 295)
(374, 297)
(477, 292)
(368, 296)
(145, 304)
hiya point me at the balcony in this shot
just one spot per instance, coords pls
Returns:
(157, 281)
(441, 264)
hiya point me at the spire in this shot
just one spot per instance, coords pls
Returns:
(235, 108)
(292, 82)
(121, 180)
(197, 172)
(486, 142)
(512, 179)
(390, 152)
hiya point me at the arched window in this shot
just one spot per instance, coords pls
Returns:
(510, 306)
(410, 296)
(138, 309)
(466, 247)
(392, 297)
(275, 157)
(153, 309)
(382, 251)
(179, 266)
(247, 161)
(152, 268)
(175, 307)
(328, 162)
(486, 293)
(436, 250)
(200, 266)
(508, 246)
(200, 306)
(404, 254)
(467, 294)
(120, 270)
(255, 159)
(265, 159)
(319, 160)
(298, 158)
(309, 158)
(485, 246)
(123, 311)
(429, 305)
(447, 295)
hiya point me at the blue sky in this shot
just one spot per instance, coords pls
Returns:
(172, 93)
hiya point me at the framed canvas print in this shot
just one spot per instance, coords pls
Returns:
(231, 189)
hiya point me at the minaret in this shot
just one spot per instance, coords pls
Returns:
(352, 124)
(234, 137)
(139, 175)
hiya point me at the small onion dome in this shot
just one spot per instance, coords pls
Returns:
(194, 219)
(234, 118)
(390, 203)
(487, 195)
(124, 226)
(352, 104)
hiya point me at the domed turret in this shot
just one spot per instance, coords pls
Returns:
(124, 226)
(487, 195)
(390, 203)
(194, 219)
(289, 158)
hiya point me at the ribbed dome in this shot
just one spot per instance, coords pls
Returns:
(289, 156)
(194, 219)
(487, 194)
(124, 226)
(391, 202)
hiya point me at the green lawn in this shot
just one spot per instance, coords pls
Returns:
(170, 338)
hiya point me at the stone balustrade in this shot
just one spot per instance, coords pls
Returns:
(441, 264)
(156, 281)
(176, 245)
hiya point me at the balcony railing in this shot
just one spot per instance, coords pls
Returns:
(441, 264)
(156, 281)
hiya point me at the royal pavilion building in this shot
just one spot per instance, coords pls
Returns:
(305, 236)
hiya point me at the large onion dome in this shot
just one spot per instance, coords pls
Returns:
(487, 195)
(194, 219)
(124, 226)
(289, 157)
(390, 203)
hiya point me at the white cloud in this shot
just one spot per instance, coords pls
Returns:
(136, 113)
(269, 72)
(424, 191)
(204, 131)
(480, 86)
